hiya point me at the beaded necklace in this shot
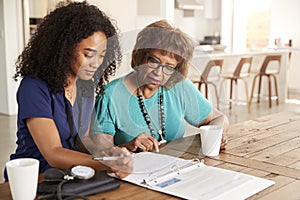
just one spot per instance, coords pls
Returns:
(147, 117)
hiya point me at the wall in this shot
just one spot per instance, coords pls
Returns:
(135, 14)
(284, 17)
(11, 43)
(3, 78)
(124, 14)
(284, 25)
(130, 17)
(226, 25)
(294, 71)
(38, 8)
(138, 14)
(197, 26)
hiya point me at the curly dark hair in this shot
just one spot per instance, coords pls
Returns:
(51, 49)
(160, 35)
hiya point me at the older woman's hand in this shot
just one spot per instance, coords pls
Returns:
(224, 142)
(143, 142)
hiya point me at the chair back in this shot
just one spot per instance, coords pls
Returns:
(243, 68)
(266, 64)
(211, 64)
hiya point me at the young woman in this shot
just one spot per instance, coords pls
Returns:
(66, 61)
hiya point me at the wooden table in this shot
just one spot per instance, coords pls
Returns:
(267, 147)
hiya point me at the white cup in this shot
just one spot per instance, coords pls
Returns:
(23, 178)
(211, 137)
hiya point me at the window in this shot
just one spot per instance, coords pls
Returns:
(258, 24)
(246, 24)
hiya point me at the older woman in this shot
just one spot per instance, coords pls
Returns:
(150, 105)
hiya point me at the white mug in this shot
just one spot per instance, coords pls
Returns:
(211, 137)
(23, 178)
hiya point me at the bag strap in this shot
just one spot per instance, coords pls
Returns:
(76, 143)
(70, 123)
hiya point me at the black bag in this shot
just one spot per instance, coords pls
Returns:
(100, 182)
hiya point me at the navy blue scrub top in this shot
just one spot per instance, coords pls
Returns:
(36, 100)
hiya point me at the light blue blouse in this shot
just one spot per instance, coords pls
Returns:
(118, 113)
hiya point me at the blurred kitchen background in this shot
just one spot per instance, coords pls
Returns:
(218, 26)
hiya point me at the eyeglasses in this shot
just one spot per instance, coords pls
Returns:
(155, 64)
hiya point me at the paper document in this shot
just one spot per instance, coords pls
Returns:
(192, 179)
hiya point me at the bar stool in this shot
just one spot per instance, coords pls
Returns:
(241, 72)
(205, 77)
(264, 71)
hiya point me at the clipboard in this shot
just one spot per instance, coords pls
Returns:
(192, 179)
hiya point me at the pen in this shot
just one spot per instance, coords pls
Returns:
(108, 158)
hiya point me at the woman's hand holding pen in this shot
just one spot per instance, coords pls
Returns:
(118, 160)
(143, 142)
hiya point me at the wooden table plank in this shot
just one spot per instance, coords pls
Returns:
(255, 172)
(276, 150)
(262, 124)
(255, 145)
(280, 182)
(290, 191)
(295, 165)
(5, 192)
(248, 135)
(264, 166)
(287, 159)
